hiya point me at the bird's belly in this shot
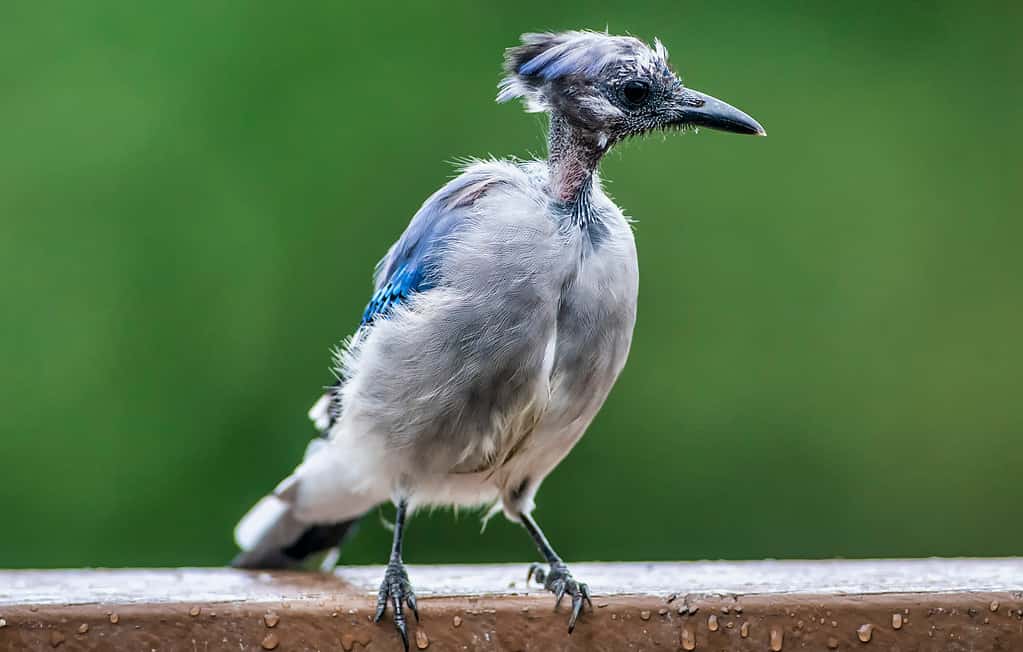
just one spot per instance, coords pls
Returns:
(586, 364)
(514, 420)
(581, 380)
(481, 470)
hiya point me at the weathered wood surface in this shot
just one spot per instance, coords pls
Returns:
(933, 604)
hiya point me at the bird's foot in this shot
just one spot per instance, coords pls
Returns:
(397, 590)
(559, 581)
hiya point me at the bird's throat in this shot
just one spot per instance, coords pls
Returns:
(573, 155)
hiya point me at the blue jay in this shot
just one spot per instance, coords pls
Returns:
(499, 321)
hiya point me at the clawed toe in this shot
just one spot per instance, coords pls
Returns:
(559, 581)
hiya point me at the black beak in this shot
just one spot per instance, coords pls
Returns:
(702, 110)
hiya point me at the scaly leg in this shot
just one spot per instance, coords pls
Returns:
(555, 579)
(396, 587)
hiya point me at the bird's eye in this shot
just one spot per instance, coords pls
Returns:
(636, 91)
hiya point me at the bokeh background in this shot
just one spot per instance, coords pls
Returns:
(828, 355)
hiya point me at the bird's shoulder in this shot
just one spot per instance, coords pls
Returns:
(410, 265)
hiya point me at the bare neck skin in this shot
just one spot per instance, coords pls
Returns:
(573, 155)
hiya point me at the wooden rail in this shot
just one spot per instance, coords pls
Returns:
(905, 605)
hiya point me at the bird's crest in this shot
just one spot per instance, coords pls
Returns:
(549, 57)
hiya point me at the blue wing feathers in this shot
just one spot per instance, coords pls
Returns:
(410, 265)
(405, 280)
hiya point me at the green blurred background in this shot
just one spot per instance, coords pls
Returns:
(828, 355)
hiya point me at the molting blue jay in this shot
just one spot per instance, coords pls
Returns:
(499, 322)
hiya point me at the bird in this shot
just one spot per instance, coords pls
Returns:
(499, 322)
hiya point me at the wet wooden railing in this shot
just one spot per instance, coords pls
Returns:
(932, 604)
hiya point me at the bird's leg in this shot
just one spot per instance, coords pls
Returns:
(396, 588)
(556, 578)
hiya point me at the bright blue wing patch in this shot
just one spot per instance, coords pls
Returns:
(405, 280)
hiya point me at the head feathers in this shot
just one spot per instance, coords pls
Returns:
(548, 57)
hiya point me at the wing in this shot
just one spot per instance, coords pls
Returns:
(411, 264)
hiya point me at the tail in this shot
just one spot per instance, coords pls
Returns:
(272, 537)
(315, 508)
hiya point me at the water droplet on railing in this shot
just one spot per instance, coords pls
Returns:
(688, 639)
(422, 640)
(864, 632)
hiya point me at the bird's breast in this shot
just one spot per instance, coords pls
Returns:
(594, 327)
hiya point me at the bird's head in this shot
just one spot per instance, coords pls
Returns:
(611, 87)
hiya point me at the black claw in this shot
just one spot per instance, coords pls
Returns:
(535, 570)
(381, 604)
(560, 582)
(577, 607)
(413, 605)
(404, 634)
